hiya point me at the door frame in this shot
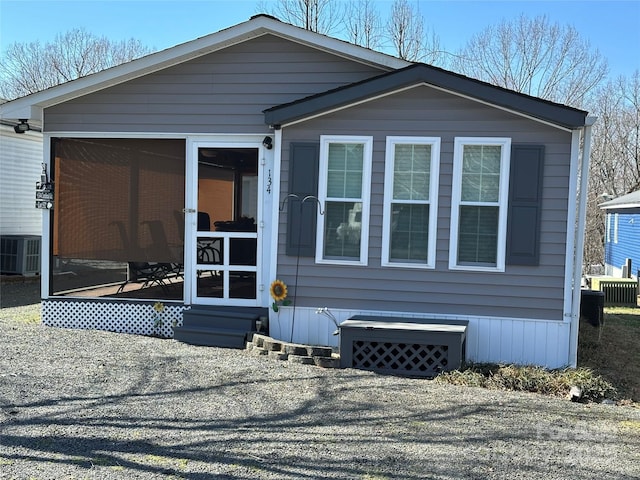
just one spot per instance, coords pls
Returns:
(264, 222)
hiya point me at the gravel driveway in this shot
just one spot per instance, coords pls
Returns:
(99, 405)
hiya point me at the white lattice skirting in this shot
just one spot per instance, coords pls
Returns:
(139, 318)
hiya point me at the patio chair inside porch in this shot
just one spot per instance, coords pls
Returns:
(209, 251)
(147, 272)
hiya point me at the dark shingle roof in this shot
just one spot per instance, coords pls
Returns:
(554, 113)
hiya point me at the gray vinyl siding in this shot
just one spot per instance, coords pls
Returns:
(520, 292)
(222, 92)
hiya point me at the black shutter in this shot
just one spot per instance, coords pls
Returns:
(304, 161)
(525, 204)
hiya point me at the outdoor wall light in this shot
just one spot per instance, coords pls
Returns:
(22, 127)
(267, 142)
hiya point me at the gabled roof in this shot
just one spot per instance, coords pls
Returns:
(30, 107)
(422, 74)
(630, 200)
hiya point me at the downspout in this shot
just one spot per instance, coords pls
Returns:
(582, 196)
(46, 242)
(47, 232)
(274, 186)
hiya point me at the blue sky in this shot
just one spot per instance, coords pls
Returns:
(612, 27)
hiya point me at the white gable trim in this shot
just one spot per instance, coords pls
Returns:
(31, 106)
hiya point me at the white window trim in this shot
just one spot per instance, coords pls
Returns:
(434, 175)
(503, 201)
(608, 228)
(365, 198)
(615, 227)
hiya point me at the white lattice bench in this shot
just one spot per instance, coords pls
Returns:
(407, 346)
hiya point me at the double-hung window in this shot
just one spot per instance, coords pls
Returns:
(410, 202)
(479, 203)
(344, 190)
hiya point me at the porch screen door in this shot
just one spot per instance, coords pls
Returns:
(226, 239)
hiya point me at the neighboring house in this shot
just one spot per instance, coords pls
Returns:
(370, 185)
(20, 168)
(20, 222)
(622, 234)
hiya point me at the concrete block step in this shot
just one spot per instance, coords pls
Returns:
(307, 350)
(253, 349)
(278, 355)
(327, 362)
(260, 344)
(303, 359)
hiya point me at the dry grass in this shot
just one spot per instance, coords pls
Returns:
(533, 379)
(608, 365)
(613, 351)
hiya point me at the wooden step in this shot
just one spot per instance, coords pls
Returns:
(214, 326)
(237, 319)
(211, 337)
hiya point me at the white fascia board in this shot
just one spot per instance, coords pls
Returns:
(19, 109)
(31, 106)
(620, 206)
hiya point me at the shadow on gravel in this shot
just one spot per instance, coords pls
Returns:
(19, 293)
(327, 436)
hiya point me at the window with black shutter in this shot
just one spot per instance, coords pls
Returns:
(525, 205)
(303, 181)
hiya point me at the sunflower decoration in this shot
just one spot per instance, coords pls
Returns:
(279, 292)
(159, 308)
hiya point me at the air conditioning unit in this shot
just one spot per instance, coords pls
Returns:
(20, 254)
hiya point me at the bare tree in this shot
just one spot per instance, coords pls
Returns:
(363, 24)
(406, 30)
(409, 38)
(30, 67)
(433, 53)
(321, 16)
(535, 57)
(615, 155)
